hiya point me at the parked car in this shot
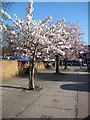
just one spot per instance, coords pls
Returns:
(76, 63)
(23, 59)
(49, 60)
(88, 60)
(84, 64)
(88, 66)
(8, 57)
(88, 63)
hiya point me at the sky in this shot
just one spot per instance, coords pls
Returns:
(71, 11)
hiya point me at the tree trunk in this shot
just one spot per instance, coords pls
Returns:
(66, 62)
(57, 64)
(31, 74)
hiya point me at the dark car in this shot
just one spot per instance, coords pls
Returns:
(76, 63)
(88, 63)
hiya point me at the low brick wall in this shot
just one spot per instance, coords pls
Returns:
(12, 68)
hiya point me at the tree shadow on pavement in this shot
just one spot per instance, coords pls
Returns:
(87, 118)
(63, 77)
(76, 87)
(79, 81)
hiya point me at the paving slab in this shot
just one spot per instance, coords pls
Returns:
(59, 91)
(83, 104)
(20, 97)
(56, 102)
(7, 91)
(35, 111)
(0, 113)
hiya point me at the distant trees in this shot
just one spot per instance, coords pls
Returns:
(6, 48)
(74, 39)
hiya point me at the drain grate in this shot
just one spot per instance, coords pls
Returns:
(45, 117)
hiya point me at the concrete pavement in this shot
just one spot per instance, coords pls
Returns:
(63, 96)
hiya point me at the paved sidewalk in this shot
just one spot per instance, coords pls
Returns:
(63, 96)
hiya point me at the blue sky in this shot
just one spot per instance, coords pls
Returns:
(71, 11)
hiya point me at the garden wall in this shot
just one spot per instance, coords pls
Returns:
(9, 69)
(12, 68)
